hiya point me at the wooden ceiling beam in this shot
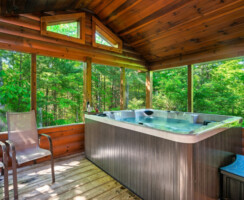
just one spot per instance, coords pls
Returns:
(225, 52)
(21, 21)
(31, 16)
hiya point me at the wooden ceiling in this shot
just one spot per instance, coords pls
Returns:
(159, 30)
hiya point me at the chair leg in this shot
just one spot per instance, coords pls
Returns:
(52, 168)
(6, 191)
(15, 179)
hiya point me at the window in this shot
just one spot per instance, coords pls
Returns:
(59, 91)
(69, 27)
(170, 89)
(104, 38)
(14, 84)
(105, 87)
(219, 86)
(135, 89)
(100, 39)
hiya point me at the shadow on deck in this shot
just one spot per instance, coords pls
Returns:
(76, 178)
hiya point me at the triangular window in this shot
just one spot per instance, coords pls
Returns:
(69, 27)
(104, 38)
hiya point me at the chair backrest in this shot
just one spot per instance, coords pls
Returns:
(22, 130)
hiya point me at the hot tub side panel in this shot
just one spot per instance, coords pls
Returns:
(211, 154)
(153, 168)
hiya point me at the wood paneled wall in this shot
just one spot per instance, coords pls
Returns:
(67, 140)
(22, 33)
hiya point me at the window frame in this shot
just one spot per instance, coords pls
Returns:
(106, 33)
(62, 19)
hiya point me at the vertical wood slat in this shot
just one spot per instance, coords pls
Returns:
(122, 89)
(87, 82)
(149, 88)
(190, 88)
(33, 82)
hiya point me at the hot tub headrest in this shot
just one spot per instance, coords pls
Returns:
(148, 112)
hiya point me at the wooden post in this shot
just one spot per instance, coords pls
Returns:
(190, 89)
(33, 82)
(122, 89)
(149, 88)
(87, 96)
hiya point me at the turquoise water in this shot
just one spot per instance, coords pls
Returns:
(166, 124)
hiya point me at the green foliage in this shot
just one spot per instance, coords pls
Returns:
(170, 89)
(59, 91)
(218, 88)
(136, 104)
(105, 87)
(101, 40)
(135, 89)
(14, 84)
(69, 29)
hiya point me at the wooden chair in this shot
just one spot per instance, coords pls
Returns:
(23, 141)
(4, 167)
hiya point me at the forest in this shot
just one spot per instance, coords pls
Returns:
(218, 88)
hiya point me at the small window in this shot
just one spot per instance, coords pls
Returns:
(104, 38)
(69, 27)
(101, 40)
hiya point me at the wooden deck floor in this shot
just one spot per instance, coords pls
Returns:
(76, 178)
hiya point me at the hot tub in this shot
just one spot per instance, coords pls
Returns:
(163, 154)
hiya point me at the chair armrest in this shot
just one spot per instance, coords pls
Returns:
(3, 146)
(11, 146)
(12, 150)
(49, 140)
(5, 155)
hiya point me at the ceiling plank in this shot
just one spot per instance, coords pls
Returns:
(129, 4)
(110, 8)
(144, 13)
(177, 22)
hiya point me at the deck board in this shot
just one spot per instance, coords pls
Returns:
(76, 178)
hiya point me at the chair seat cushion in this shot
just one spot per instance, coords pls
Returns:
(31, 154)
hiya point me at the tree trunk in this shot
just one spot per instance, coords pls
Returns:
(20, 82)
(47, 120)
(104, 93)
(55, 105)
(1, 69)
